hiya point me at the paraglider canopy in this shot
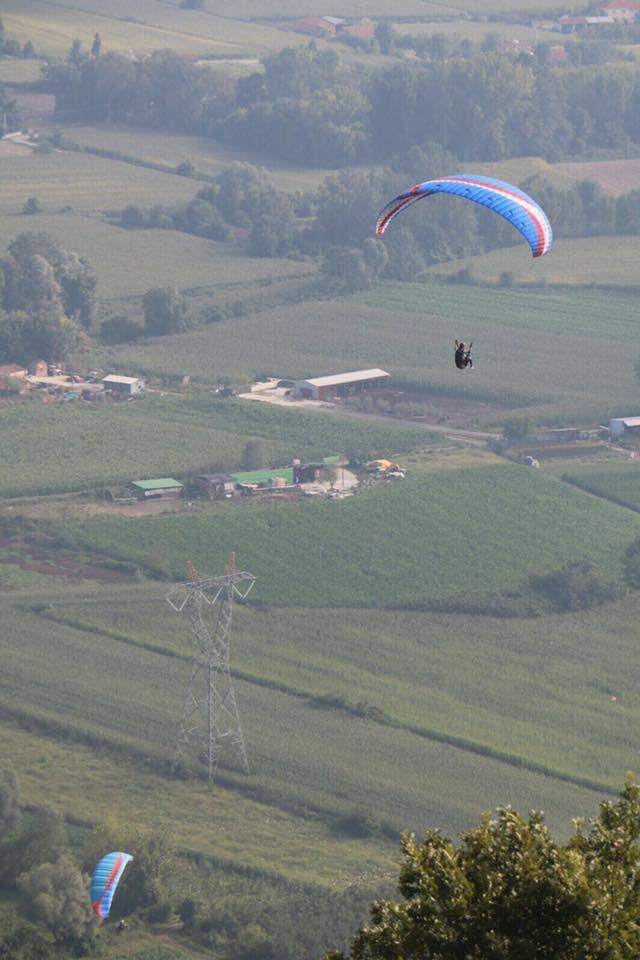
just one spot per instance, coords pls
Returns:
(503, 198)
(105, 879)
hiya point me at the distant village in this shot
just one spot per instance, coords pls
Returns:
(621, 12)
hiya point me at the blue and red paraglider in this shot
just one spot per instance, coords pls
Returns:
(104, 881)
(503, 198)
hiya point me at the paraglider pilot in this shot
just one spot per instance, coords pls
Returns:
(462, 356)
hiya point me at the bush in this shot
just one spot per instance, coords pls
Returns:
(32, 205)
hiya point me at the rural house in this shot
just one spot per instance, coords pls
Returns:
(339, 384)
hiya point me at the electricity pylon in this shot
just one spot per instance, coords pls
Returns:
(210, 714)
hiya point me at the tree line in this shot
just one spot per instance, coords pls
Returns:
(242, 206)
(310, 107)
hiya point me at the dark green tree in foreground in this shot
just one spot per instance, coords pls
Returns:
(508, 891)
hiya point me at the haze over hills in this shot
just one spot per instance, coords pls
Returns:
(445, 599)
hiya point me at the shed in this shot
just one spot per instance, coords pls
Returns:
(126, 385)
(214, 485)
(165, 487)
(339, 384)
(620, 425)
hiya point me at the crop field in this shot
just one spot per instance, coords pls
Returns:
(129, 262)
(207, 156)
(619, 482)
(141, 26)
(158, 435)
(436, 674)
(311, 761)
(609, 261)
(86, 183)
(522, 337)
(339, 554)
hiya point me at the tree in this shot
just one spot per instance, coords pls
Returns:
(508, 891)
(43, 841)
(165, 311)
(57, 894)
(75, 52)
(96, 46)
(32, 205)
(255, 455)
(385, 36)
(21, 940)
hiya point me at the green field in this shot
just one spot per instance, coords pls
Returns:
(127, 263)
(397, 545)
(487, 687)
(142, 26)
(619, 482)
(164, 435)
(522, 339)
(208, 156)
(609, 261)
(85, 183)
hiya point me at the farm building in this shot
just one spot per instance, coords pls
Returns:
(166, 488)
(38, 368)
(339, 384)
(264, 479)
(214, 485)
(13, 370)
(126, 385)
(623, 425)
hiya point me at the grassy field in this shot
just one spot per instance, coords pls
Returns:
(311, 761)
(85, 183)
(610, 261)
(527, 690)
(142, 26)
(619, 482)
(127, 263)
(522, 337)
(407, 528)
(208, 156)
(163, 435)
